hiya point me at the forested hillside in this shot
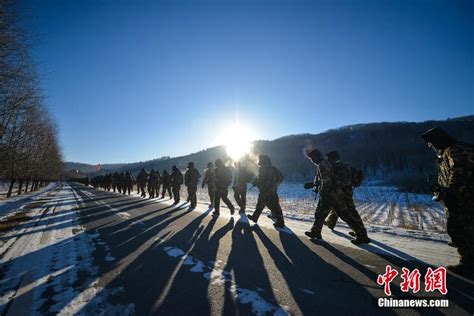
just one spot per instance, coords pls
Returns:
(389, 153)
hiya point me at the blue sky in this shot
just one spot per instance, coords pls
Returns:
(136, 80)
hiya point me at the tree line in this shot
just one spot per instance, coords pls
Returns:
(30, 154)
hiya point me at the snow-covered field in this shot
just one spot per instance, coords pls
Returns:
(46, 259)
(380, 207)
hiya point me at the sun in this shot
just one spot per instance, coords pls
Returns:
(238, 141)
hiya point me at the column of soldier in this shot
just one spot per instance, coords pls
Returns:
(334, 181)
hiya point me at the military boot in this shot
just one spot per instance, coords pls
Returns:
(361, 240)
(313, 235)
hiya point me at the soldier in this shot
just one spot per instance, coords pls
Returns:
(455, 191)
(223, 178)
(166, 179)
(119, 180)
(152, 183)
(142, 179)
(158, 184)
(115, 181)
(331, 198)
(176, 180)
(242, 177)
(128, 182)
(210, 180)
(191, 179)
(267, 181)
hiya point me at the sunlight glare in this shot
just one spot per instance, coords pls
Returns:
(238, 141)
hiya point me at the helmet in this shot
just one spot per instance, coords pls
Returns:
(438, 138)
(219, 163)
(264, 160)
(191, 164)
(333, 156)
(315, 155)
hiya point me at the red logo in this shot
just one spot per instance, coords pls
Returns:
(434, 280)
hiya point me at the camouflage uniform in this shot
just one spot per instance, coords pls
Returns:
(128, 183)
(176, 180)
(210, 180)
(115, 181)
(223, 178)
(191, 179)
(456, 192)
(242, 177)
(166, 179)
(152, 183)
(336, 199)
(142, 178)
(267, 182)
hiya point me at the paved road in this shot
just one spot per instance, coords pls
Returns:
(168, 260)
(74, 249)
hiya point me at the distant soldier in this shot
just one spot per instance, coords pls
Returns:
(115, 181)
(120, 183)
(166, 181)
(191, 179)
(455, 191)
(128, 183)
(176, 180)
(158, 184)
(142, 179)
(242, 177)
(153, 180)
(223, 181)
(210, 180)
(331, 198)
(267, 181)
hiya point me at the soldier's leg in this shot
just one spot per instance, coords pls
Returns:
(237, 197)
(461, 230)
(227, 202)
(176, 194)
(331, 220)
(244, 199)
(322, 210)
(212, 195)
(217, 201)
(193, 198)
(170, 193)
(261, 203)
(274, 206)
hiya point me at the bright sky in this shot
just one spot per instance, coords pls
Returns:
(136, 80)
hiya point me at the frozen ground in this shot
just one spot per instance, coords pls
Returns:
(409, 222)
(46, 261)
(381, 208)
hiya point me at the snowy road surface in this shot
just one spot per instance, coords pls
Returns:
(76, 250)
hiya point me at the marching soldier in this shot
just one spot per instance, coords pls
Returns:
(176, 180)
(191, 179)
(223, 178)
(128, 183)
(142, 179)
(242, 177)
(166, 179)
(455, 191)
(331, 198)
(267, 181)
(210, 180)
(152, 183)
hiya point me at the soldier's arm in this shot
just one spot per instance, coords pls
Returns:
(457, 164)
(325, 177)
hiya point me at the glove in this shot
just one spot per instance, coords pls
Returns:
(309, 185)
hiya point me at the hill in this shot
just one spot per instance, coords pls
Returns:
(388, 152)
